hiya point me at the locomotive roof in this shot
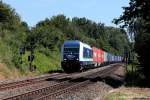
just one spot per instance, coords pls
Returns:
(72, 43)
(75, 43)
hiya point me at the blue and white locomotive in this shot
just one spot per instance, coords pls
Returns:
(76, 55)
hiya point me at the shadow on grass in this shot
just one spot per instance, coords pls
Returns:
(136, 79)
(56, 71)
(113, 82)
(132, 78)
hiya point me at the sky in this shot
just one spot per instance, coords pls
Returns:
(33, 11)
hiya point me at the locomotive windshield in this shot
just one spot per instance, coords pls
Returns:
(71, 50)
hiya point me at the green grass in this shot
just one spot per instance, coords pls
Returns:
(6, 55)
(134, 77)
(7, 67)
(122, 95)
(116, 96)
(43, 63)
(132, 68)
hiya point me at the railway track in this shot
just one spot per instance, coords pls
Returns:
(76, 86)
(66, 90)
(26, 82)
(50, 92)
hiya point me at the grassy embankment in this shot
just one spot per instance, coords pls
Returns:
(134, 80)
(43, 63)
(7, 69)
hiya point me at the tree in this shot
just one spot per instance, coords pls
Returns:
(13, 33)
(136, 18)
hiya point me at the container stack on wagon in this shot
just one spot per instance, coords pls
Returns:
(76, 55)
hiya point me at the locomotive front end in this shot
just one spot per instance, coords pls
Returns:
(70, 56)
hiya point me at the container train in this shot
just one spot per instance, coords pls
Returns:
(76, 56)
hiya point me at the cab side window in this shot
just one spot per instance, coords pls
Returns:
(87, 53)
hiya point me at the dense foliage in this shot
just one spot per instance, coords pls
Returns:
(12, 34)
(59, 28)
(45, 39)
(136, 17)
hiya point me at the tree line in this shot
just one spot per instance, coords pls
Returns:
(47, 36)
(136, 17)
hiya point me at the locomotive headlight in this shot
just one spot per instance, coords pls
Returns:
(65, 59)
(77, 59)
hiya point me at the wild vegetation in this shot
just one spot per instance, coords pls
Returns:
(45, 39)
(136, 17)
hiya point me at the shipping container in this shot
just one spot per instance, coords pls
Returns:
(99, 57)
(95, 55)
(102, 56)
(105, 56)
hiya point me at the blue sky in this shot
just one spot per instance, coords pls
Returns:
(33, 11)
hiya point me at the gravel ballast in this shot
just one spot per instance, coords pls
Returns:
(99, 89)
(95, 91)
